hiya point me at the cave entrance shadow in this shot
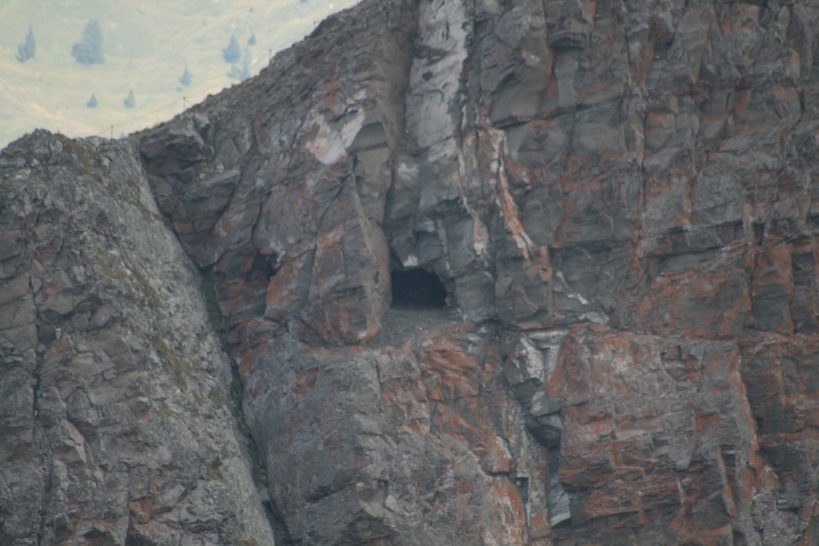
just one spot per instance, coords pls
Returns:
(417, 289)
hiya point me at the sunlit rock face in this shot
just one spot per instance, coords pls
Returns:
(613, 205)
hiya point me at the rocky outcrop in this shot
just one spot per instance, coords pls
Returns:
(116, 409)
(616, 199)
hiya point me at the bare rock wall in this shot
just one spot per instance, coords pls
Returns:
(617, 198)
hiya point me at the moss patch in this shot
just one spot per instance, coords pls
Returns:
(178, 366)
(217, 322)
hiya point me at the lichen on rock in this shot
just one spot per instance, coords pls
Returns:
(616, 199)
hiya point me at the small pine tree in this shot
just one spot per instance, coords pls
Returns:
(252, 40)
(92, 102)
(130, 102)
(185, 79)
(89, 49)
(244, 73)
(232, 53)
(26, 50)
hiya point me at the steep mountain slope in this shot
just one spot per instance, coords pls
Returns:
(615, 198)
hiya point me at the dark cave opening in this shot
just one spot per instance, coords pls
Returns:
(417, 288)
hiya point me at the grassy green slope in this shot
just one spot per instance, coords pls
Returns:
(147, 45)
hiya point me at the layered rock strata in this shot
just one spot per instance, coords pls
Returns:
(617, 199)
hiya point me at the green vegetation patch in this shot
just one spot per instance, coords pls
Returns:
(178, 366)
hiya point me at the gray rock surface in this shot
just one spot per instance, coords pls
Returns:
(618, 201)
(116, 408)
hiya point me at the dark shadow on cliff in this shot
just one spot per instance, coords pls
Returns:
(420, 308)
(417, 289)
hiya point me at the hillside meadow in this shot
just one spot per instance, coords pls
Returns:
(147, 46)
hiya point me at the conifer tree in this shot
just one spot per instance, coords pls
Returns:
(232, 53)
(26, 50)
(92, 102)
(89, 49)
(244, 73)
(130, 101)
(185, 79)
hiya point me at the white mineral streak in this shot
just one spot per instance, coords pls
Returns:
(435, 76)
(327, 145)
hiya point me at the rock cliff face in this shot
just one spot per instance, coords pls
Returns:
(115, 413)
(617, 341)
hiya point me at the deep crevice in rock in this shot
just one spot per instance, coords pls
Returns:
(235, 402)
